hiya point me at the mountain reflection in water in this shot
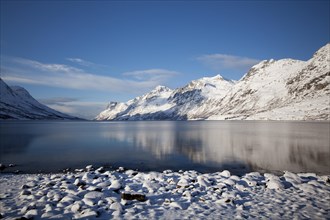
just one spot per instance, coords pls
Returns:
(294, 146)
(207, 146)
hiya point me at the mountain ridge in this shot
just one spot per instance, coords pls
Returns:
(285, 89)
(17, 103)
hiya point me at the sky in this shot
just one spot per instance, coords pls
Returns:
(75, 56)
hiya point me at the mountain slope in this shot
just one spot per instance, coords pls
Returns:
(163, 103)
(146, 107)
(17, 103)
(285, 89)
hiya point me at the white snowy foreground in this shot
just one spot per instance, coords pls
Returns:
(168, 195)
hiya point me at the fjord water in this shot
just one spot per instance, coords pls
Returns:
(205, 146)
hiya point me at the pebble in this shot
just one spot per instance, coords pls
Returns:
(2, 166)
(229, 182)
(249, 182)
(75, 207)
(176, 195)
(88, 177)
(100, 170)
(69, 199)
(240, 187)
(275, 184)
(115, 185)
(307, 188)
(235, 178)
(183, 182)
(79, 182)
(116, 206)
(104, 184)
(48, 208)
(89, 167)
(31, 213)
(25, 192)
(225, 173)
(202, 181)
(48, 215)
(25, 187)
(88, 202)
(133, 196)
(94, 195)
(175, 205)
(88, 213)
(57, 197)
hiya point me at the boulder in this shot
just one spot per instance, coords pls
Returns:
(129, 196)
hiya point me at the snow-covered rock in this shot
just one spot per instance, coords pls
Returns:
(93, 195)
(218, 195)
(17, 103)
(285, 89)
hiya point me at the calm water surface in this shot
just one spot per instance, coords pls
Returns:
(206, 146)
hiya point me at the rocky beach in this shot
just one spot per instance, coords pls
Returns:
(127, 194)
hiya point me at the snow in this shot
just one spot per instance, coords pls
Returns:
(283, 89)
(165, 195)
(152, 102)
(17, 103)
(164, 103)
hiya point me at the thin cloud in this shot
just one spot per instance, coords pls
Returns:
(80, 61)
(58, 100)
(47, 67)
(151, 74)
(65, 109)
(74, 106)
(220, 62)
(87, 110)
(65, 76)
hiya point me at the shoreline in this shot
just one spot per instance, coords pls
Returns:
(129, 194)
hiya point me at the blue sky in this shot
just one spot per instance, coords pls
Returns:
(77, 55)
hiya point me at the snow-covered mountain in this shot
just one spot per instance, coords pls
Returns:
(17, 103)
(163, 103)
(285, 89)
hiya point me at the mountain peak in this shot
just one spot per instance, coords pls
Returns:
(212, 78)
(263, 64)
(218, 77)
(160, 88)
(272, 89)
(221, 78)
(111, 105)
(323, 51)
